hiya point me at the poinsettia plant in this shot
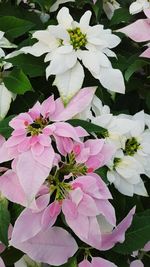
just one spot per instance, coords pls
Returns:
(74, 133)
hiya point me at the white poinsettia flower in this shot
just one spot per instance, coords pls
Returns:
(55, 6)
(109, 7)
(124, 172)
(138, 6)
(68, 44)
(25, 261)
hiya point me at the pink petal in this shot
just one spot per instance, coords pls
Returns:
(106, 209)
(77, 104)
(11, 188)
(50, 215)
(95, 146)
(99, 262)
(64, 129)
(46, 158)
(146, 53)
(135, 34)
(19, 121)
(136, 263)
(37, 149)
(31, 174)
(118, 234)
(48, 107)
(85, 263)
(43, 246)
(147, 12)
(2, 263)
(27, 226)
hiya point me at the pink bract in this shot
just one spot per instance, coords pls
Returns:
(97, 262)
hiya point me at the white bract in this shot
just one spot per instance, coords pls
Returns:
(5, 95)
(138, 6)
(109, 7)
(68, 44)
(130, 138)
(124, 172)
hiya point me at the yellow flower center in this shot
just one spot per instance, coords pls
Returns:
(131, 146)
(77, 38)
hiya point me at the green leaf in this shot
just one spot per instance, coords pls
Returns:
(30, 65)
(17, 82)
(11, 255)
(71, 263)
(4, 221)
(137, 235)
(14, 27)
(135, 66)
(5, 129)
(89, 127)
(120, 15)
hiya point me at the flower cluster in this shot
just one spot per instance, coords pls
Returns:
(65, 154)
(130, 137)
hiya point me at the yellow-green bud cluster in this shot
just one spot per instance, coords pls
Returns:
(77, 38)
(36, 127)
(131, 146)
(116, 162)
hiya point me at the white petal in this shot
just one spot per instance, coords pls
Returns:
(36, 50)
(64, 18)
(135, 8)
(85, 21)
(70, 82)
(112, 79)
(61, 63)
(5, 100)
(2, 54)
(140, 189)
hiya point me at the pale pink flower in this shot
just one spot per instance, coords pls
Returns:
(97, 262)
(32, 130)
(91, 216)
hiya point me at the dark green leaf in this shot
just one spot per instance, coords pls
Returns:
(102, 172)
(135, 66)
(11, 255)
(137, 236)
(120, 15)
(30, 65)
(17, 82)
(4, 221)
(14, 27)
(5, 129)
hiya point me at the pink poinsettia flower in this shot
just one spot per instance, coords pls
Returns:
(91, 216)
(87, 212)
(142, 35)
(32, 130)
(96, 262)
(93, 153)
